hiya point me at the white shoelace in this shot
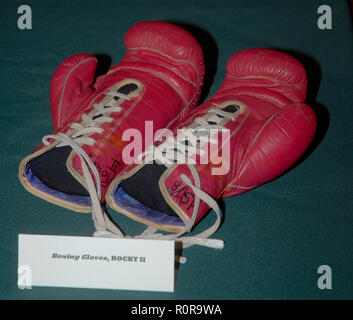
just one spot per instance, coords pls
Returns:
(164, 154)
(184, 145)
(104, 226)
(90, 124)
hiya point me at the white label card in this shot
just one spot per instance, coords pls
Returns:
(88, 262)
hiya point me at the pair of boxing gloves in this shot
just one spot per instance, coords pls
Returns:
(254, 128)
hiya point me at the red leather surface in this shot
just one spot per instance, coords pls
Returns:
(164, 58)
(70, 84)
(166, 49)
(269, 69)
(266, 139)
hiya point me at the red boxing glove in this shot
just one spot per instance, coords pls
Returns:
(158, 80)
(261, 104)
(273, 86)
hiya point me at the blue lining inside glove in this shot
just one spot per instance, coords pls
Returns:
(38, 184)
(123, 200)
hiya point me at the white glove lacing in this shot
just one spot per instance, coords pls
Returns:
(104, 226)
(90, 125)
(165, 154)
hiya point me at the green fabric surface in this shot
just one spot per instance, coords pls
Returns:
(276, 235)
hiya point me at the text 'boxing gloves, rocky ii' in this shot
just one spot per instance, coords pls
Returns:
(260, 106)
(159, 80)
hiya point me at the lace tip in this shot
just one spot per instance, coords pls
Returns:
(181, 259)
(216, 244)
(106, 234)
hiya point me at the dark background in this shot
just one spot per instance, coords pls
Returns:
(277, 235)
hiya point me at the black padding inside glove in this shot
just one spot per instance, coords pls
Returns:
(143, 187)
(50, 168)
